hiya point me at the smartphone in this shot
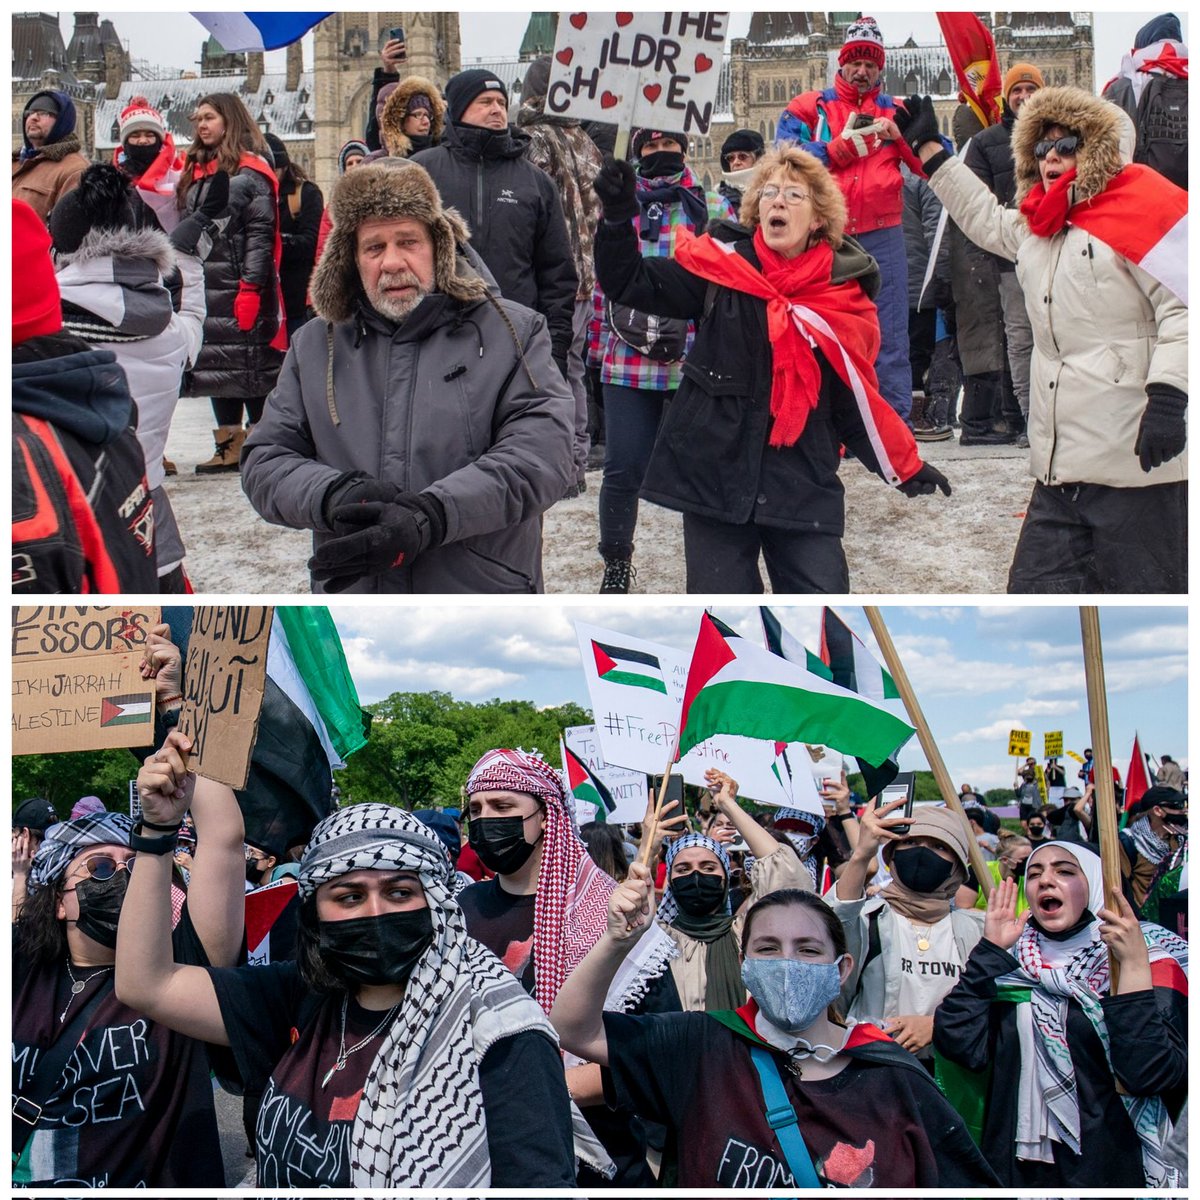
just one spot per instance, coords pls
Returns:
(396, 34)
(861, 121)
(903, 788)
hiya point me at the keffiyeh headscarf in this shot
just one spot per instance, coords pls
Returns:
(668, 909)
(1053, 973)
(66, 839)
(570, 909)
(421, 1121)
(805, 844)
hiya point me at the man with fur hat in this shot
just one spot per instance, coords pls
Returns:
(989, 155)
(560, 147)
(511, 208)
(849, 127)
(1100, 250)
(739, 152)
(50, 162)
(909, 943)
(420, 427)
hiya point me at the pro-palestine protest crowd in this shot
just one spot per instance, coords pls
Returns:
(539, 1005)
(407, 373)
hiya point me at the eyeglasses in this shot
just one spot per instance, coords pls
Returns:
(101, 867)
(1066, 146)
(791, 195)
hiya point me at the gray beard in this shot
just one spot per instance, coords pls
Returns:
(396, 310)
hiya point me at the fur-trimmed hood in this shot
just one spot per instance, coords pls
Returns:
(391, 120)
(378, 191)
(98, 243)
(1098, 123)
(54, 151)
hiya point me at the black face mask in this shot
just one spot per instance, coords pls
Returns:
(660, 164)
(138, 158)
(921, 869)
(100, 907)
(1037, 832)
(500, 843)
(1017, 872)
(1178, 819)
(698, 894)
(376, 950)
(253, 871)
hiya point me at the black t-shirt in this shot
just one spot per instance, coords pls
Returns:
(503, 922)
(136, 1105)
(871, 1125)
(285, 1039)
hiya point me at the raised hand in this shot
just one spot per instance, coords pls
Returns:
(1001, 925)
(165, 784)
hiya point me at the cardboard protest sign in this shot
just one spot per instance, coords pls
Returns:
(224, 676)
(76, 682)
(627, 788)
(646, 69)
(1019, 741)
(1054, 744)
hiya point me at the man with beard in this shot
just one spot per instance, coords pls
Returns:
(420, 428)
(1153, 847)
(50, 162)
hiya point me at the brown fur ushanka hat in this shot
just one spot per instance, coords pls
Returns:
(1096, 121)
(396, 192)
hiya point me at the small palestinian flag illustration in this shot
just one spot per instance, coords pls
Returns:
(614, 664)
(137, 709)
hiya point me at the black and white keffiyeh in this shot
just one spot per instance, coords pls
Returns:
(420, 1122)
(66, 839)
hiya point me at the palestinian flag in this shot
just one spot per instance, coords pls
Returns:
(635, 668)
(137, 709)
(586, 786)
(1137, 781)
(265, 906)
(780, 641)
(735, 687)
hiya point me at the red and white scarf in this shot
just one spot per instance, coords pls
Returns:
(1139, 215)
(807, 310)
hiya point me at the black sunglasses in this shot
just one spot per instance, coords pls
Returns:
(1066, 146)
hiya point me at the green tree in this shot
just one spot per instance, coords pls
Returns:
(63, 778)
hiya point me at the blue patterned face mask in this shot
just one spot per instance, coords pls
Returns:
(790, 993)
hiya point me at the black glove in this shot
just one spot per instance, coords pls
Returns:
(925, 482)
(917, 122)
(185, 237)
(616, 185)
(561, 358)
(385, 536)
(1163, 432)
(355, 487)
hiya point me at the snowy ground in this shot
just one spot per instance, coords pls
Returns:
(961, 544)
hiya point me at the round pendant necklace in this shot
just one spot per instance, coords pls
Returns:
(343, 1053)
(77, 986)
(923, 942)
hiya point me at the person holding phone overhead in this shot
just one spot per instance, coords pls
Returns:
(909, 943)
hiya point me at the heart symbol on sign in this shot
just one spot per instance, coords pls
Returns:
(579, 20)
(703, 62)
(652, 91)
(565, 56)
(608, 100)
(623, 19)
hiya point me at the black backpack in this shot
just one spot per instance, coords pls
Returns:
(1162, 128)
(661, 339)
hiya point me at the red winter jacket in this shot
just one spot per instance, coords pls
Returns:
(871, 185)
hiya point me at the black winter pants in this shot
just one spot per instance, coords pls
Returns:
(723, 558)
(1088, 537)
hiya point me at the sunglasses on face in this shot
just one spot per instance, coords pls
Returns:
(101, 867)
(1066, 147)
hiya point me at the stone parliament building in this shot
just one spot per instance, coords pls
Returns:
(314, 111)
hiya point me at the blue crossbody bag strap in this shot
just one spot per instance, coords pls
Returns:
(781, 1117)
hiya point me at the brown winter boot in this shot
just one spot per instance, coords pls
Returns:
(169, 468)
(229, 439)
(925, 426)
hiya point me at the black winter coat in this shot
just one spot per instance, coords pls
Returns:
(515, 217)
(299, 236)
(712, 456)
(990, 156)
(232, 363)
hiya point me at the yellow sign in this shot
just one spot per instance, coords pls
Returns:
(1019, 741)
(1077, 757)
(1041, 782)
(1054, 744)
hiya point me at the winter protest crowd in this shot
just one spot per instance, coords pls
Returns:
(416, 372)
(704, 1000)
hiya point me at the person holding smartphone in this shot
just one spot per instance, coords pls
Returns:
(387, 76)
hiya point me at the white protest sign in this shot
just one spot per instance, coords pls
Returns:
(655, 70)
(636, 688)
(627, 788)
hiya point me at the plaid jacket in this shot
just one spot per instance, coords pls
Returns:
(619, 363)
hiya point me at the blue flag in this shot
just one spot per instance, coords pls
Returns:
(258, 30)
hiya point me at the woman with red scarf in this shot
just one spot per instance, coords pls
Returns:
(1100, 246)
(780, 376)
(244, 336)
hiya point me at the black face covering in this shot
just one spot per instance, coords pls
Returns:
(500, 843)
(254, 871)
(138, 158)
(660, 164)
(698, 894)
(1017, 872)
(1037, 834)
(376, 950)
(100, 907)
(920, 869)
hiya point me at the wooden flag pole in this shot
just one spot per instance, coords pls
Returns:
(932, 754)
(648, 835)
(1104, 802)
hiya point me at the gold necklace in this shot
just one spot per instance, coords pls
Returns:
(923, 942)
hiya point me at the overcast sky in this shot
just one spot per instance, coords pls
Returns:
(171, 37)
(978, 671)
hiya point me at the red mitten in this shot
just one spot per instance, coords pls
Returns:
(246, 305)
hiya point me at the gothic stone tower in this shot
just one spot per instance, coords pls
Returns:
(346, 53)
